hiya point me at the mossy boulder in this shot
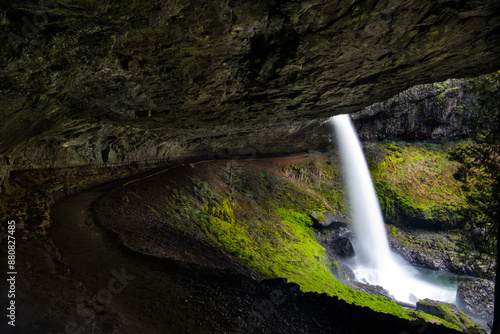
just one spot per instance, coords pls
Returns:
(327, 220)
(450, 313)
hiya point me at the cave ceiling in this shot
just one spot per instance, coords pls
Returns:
(96, 81)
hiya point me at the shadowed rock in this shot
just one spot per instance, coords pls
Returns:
(476, 297)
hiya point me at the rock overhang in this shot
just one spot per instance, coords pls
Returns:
(157, 81)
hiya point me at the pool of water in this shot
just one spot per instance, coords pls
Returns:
(410, 284)
(441, 280)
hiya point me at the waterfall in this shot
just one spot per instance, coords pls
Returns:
(374, 262)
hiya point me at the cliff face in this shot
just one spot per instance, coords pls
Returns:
(425, 112)
(119, 82)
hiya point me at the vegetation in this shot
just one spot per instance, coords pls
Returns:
(395, 232)
(263, 219)
(325, 178)
(479, 171)
(480, 176)
(417, 179)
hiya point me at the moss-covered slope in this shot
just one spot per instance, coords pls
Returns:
(255, 211)
(415, 184)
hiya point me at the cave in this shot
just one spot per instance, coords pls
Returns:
(110, 95)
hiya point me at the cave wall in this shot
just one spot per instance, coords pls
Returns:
(109, 82)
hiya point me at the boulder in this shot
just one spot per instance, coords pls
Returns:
(343, 272)
(337, 243)
(450, 313)
(375, 290)
(476, 298)
(327, 220)
(341, 244)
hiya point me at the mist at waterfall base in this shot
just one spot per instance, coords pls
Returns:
(374, 262)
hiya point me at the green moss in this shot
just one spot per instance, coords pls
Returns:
(452, 315)
(418, 179)
(395, 231)
(320, 216)
(265, 222)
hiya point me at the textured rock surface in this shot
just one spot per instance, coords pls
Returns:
(337, 243)
(476, 298)
(322, 220)
(425, 112)
(448, 312)
(112, 82)
(375, 290)
(429, 258)
(435, 250)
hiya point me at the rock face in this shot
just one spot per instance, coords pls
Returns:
(375, 290)
(116, 83)
(332, 232)
(431, 250)
(476, 297)
(425, 112)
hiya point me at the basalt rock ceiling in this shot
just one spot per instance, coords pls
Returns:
(115, 82)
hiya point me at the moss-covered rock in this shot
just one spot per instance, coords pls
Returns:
(439, 111)
(450, 313)
(327, 220)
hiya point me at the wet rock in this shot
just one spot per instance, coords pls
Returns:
(476, 298)
(448, 312)
(333, 234)
(375, 290)
(429, 257)
(343, 272)
(419, 257)
(337, 243)
(341, 245)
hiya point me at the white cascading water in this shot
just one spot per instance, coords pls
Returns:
(374, 262)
